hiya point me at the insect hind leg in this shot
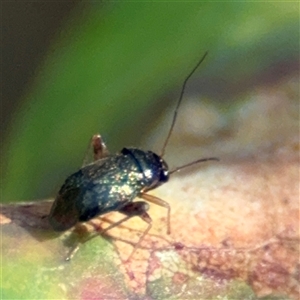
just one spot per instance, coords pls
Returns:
(132, 209)
(99, 149)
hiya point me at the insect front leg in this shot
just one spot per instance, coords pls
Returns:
(99, 149)
(159, 202)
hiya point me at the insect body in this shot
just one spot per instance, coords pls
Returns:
(109, 184)
(112, 182)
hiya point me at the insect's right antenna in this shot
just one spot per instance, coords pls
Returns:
(179, 102)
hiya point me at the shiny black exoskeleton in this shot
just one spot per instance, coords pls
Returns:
(112, 182)
(106, 185)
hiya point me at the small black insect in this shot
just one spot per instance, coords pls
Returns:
(112, 182)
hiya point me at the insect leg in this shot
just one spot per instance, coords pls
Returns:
(99, 149)
(72, 252)
(159, 202)
(131, 210)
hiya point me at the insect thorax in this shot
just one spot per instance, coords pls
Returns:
(153, 168)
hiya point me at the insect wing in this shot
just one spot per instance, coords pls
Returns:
(102, 191)
(64, 214)
(66, 210)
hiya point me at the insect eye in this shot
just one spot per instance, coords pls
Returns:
(164, 174)
(164, 169)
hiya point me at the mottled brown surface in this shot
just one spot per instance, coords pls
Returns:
(235, 223)
(236, 219)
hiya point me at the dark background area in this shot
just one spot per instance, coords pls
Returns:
(28, 29)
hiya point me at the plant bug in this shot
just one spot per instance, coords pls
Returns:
(112, 182)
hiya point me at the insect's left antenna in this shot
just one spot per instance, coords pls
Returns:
(192, 163)
(179, 102)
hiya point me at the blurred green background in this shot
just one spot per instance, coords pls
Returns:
(115, 67)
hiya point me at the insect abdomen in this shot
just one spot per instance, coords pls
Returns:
(95, 190)
(64, 214)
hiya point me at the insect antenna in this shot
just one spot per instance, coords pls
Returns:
(178, 104)
(192, 163)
